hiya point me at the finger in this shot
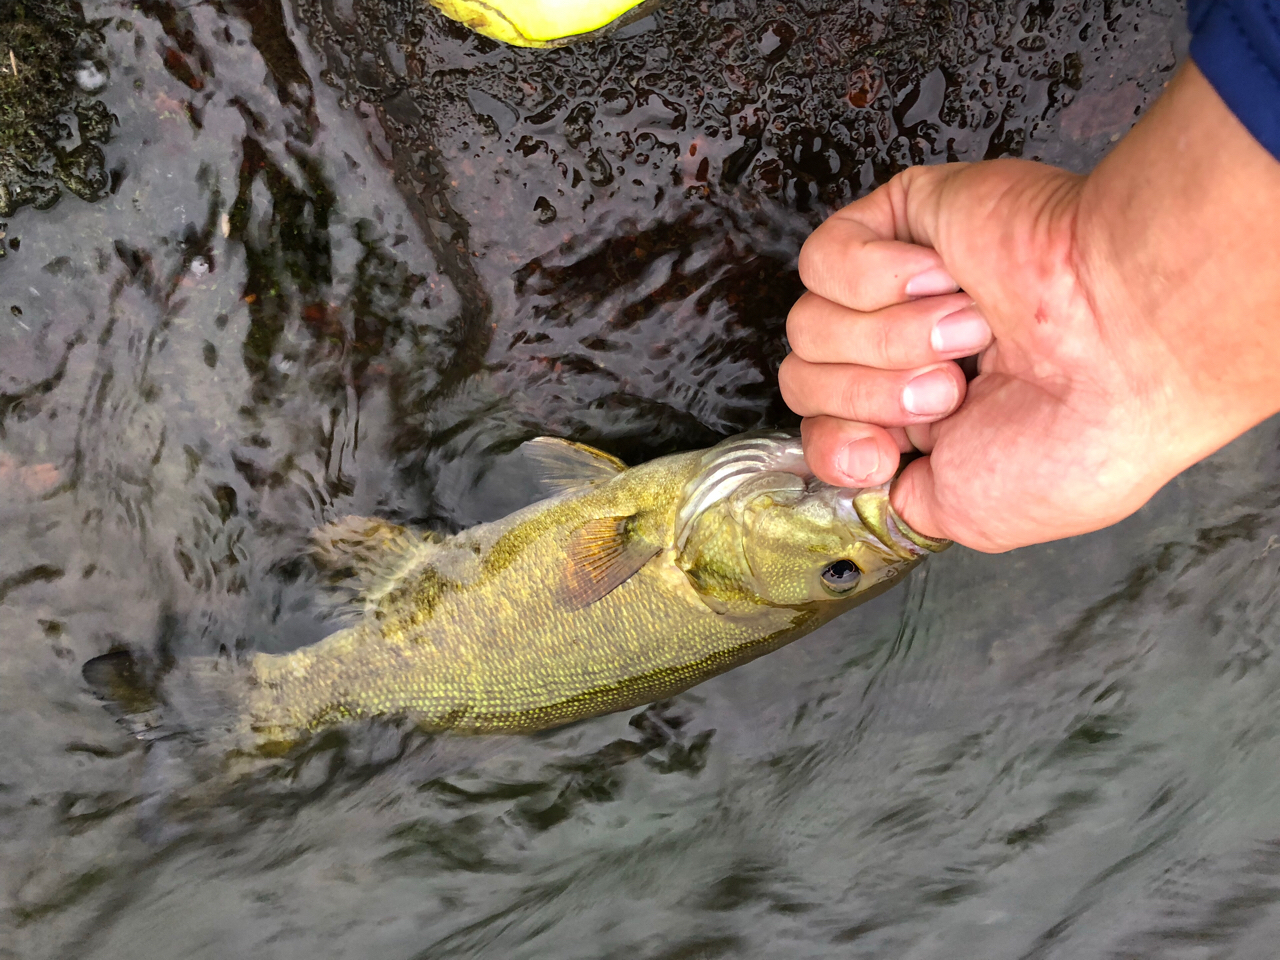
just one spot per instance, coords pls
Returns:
(921, 436)
(847, 454)
(843, 261)
(877, 251)
(890, 398)
(912, 496)
(899, 435)
(899, 337)
(916, 497)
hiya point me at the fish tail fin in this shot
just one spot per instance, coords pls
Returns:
(191, 718)
(130, 689)
(200, 700)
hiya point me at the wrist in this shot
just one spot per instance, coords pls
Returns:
(1179, 247)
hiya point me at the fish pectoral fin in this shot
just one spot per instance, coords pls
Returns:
(602, 555)
(562, 465)
(366, 556)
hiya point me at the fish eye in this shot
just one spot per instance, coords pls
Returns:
(841, 576)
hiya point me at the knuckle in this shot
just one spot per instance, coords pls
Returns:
(798, 328)
(828, 258)
(905, 178)
(858, 296)
(815, 254)
(787, 373)
(784, 373)
(883, 344)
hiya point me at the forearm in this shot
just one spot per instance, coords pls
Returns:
(1178, 244)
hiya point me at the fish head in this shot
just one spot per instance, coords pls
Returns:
(756, 527)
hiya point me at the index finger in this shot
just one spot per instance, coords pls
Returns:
(862, 255)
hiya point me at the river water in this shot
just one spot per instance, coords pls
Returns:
(346, 258)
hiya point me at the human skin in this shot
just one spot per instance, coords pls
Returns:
(1127, 324)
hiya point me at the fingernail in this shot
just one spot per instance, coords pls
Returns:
(932, 283)
(961, 333)
(860, 460)
(930, 394)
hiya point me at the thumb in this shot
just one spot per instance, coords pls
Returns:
(915, 495)
(912, 496)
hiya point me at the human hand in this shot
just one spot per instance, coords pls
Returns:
(1132, 326)
(1048, 435)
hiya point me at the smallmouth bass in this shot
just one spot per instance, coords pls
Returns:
(625, 586)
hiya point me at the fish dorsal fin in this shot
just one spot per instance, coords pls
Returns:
(364, 557)
(602, 555)
(562, 465)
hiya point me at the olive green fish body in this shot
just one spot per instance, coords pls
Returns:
(623, 587)
(630, 586)
(480, 636)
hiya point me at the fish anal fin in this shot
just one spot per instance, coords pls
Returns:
(367, 555)
(563, 465)
(602, 555)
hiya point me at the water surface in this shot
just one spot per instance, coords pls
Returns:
(351, 256)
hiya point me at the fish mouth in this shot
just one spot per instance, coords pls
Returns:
(875, 511)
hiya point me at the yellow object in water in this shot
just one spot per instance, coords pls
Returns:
(544, 23)
(624, 587)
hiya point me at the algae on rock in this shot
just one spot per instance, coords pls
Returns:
(51, 128)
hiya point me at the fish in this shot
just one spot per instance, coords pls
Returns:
(624, 586)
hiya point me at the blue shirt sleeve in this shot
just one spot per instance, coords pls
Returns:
(1236, 45)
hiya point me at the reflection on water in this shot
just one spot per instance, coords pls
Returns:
(352, 256)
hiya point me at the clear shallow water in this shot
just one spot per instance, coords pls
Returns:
(329, 280)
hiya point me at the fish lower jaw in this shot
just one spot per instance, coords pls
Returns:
(876, 512)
